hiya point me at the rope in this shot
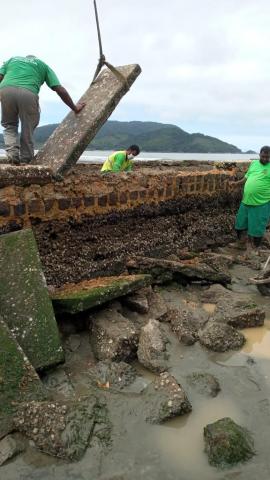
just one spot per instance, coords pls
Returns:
(102, 60)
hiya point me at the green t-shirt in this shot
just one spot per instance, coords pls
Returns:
(29, 73)
(257, 186)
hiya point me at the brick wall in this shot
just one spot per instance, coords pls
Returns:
(86, 192)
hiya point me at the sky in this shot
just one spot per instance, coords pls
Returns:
(205, 63)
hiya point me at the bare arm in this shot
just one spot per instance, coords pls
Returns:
(66, 98)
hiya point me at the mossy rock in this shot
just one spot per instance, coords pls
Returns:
(18, 379)
(74, 298)
(227, 443)
(25, 304)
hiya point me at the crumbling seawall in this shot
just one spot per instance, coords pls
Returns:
(87, 224)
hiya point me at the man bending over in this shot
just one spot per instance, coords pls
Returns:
(20, 82)
(121, 161)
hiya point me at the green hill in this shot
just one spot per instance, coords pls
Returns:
(150, 136)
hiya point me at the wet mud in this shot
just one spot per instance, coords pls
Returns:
(136, 450)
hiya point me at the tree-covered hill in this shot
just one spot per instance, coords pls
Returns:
(150, 136)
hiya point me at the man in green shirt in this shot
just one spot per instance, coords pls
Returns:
(121, 161)
(254, 212)
(20, 82)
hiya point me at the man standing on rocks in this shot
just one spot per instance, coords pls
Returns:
(254, 212)
(121, 161)
(20, 82)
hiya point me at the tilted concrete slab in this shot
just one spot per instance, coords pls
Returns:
(70, 139)
(25, 304)
(18, 380)
(73, 298)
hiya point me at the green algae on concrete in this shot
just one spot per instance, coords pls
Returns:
(25, 304)
(74, 298)
(18, 380)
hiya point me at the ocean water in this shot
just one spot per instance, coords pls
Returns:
(98, 156)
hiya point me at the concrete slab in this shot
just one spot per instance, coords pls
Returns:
(74, 298)
(18, 380)
(23, 175)
(25, 304)
(72, 136)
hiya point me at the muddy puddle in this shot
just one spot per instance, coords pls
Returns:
(180, 441)
(258, 341)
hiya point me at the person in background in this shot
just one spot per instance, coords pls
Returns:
(20, 82)
(254, 212)
(121, 161)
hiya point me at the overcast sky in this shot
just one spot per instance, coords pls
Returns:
(206, 63)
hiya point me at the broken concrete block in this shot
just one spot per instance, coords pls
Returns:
(191, 270)
(221, 337)
(10, 446)
(113, 337)
(73, 135)
(60, 429)
(138, 301)
(73, 298)
(152, 347)
(25, 304)
(186, 324)
(164, 399)
(18, 380)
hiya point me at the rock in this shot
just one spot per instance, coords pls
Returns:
(204, 383)
(215, 294)
(74, 298)
(164, 399)
(137, 301)
(191, 270)
(71, 137)
(239, 313)
(113, 374)
(73, 342)
(157, 305)
(25, 304)
(221, 337)
(186, 326)
(60, 429)
(227, 443)
(250, 317)
(217, 261)
(9, 447)
(169, 315)
(113, 337)
(152, 347)
(18, 379)
(58, 382)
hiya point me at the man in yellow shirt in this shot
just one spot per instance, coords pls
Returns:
(121, 161)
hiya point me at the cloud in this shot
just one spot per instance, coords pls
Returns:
(206, 65)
